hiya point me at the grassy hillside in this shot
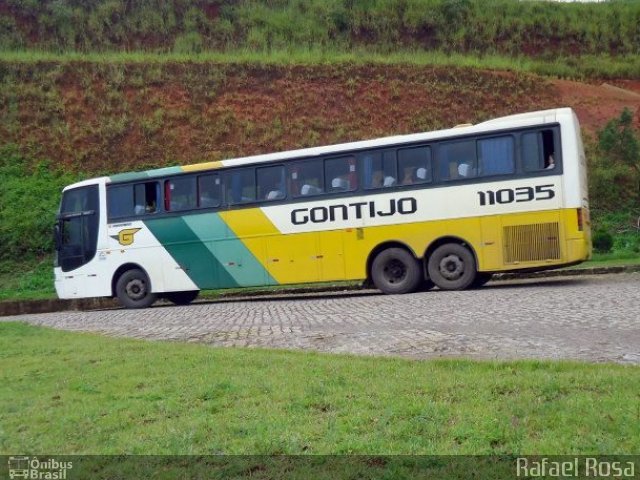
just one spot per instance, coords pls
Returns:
(501, 26)
(88, 88)
(64, 118)
(105, 117)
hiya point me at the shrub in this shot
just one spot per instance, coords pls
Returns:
(602, 241)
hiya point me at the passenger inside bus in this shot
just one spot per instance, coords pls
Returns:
(377, 179)
(551, 163)
(414, 175)
(408, 177)
(465, 170)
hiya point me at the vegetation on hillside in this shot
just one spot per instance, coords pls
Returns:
(116, 85)
(501, 26)
(614, 186)
(109, 117)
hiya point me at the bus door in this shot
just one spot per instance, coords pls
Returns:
(76, 236)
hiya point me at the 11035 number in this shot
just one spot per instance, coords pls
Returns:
(518, 194)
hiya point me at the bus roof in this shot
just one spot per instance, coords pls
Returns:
(511, 121)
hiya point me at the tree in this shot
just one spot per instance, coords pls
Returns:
(615, 175)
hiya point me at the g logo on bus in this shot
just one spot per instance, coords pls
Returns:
(125, 237)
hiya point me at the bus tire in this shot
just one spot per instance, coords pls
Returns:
(182, 298)
(481, 279)
(133, 289)
(452, 267)
(396, 271)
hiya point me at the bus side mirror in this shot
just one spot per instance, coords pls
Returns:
(56, 236)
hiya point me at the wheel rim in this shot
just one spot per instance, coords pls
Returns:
(394, 271)
(136, 289)
(451, 267)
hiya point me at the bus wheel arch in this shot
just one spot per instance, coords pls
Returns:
(394, 268)
(132, 287)
(451, 263)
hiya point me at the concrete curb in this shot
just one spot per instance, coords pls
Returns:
(22, 307)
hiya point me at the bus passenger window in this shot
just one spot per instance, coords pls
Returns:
(457, 160)
(145, 198)
(241, 186)
(271, 183)
(180, 194)
(538, 151)
(414, 165)
(340, 174)
(496, 156)
(119, 201)
(209, 191)
(307, 178)
(379, 169)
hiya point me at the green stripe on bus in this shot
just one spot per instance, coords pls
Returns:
(133, 176)
(236, 258)
(188, 250)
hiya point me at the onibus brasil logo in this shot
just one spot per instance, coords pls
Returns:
(37, 469)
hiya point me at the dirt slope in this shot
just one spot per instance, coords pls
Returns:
(111, 118)
(597, 104)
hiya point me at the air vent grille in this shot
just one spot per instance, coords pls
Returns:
(531, 243)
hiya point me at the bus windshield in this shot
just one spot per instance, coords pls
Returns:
(76, 232)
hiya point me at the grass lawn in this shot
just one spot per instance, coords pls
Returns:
(71, 393)
(611, 260)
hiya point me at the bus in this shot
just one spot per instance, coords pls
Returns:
(446, 208)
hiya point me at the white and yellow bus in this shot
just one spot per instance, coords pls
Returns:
(446, 208)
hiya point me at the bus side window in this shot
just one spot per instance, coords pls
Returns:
(120, 201)
(340, 174)
(496, 156)
(270, 182)
(538, 151)
(306, 178)
(414, 165)
(145, 198)
(180, 194)
(379, 169)
(241, 186)
(209, 191)
(457, 160)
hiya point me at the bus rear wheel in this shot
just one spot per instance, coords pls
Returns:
(182, 298)
(133, 289)
(396, 271)
(452, 267)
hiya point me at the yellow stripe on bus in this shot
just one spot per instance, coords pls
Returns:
(341, 254)
(202, 166)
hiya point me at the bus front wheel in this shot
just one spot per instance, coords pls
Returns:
(182, 298)
(395, 270)
(133, 289)
(452, 267)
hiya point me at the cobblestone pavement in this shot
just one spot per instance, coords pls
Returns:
(593, 318)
